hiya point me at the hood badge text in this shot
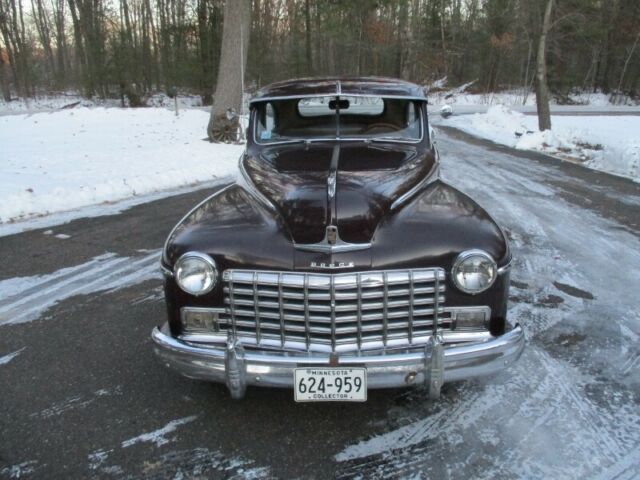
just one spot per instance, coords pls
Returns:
(332, 265)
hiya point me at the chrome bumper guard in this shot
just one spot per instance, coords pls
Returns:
(431, 366)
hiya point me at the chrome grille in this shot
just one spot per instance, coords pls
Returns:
(338, 311)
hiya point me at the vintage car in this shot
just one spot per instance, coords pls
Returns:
(338, 261)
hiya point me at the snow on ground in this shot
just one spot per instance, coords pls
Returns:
(159, 437)
(64, 160)
(23, 299)
(73, 99)
(439, 94)
(606, 143)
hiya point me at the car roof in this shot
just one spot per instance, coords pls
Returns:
(330, 86)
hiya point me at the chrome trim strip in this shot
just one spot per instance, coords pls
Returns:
(244, 181)
(332, 299)
(299, 348)
(232, 307)
(325, 247)
(436, 301)
(307, 330)
(411, 300)
(339, 247)
(385, 307)
(506, 267)
(428, 178)
(384, 369)
(332, 180)
(281, 307)
(167, 272)
(256, 304)
(334, 94)
(359, 311)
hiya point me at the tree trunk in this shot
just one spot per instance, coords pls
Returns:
(4, 78)
(542, 89)
(444, 45)
(233, 58)
(307, 24)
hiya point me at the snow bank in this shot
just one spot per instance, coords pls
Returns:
(64, 160)
(514, 97)
(600, 142)
(73, 99)
(51, 102)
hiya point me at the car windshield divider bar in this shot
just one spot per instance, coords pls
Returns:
(338, 89)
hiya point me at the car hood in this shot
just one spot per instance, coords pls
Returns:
(348, 185)
(430, 229)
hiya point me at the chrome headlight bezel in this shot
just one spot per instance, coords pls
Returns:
(210, 270)
(465, 257)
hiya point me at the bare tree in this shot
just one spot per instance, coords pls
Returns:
(624, 69)
(233, 60)
(542, 89)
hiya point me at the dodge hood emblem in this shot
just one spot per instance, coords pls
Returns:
(331, 265)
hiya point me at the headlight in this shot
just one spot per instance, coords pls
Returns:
(196, 273)
(474, 271)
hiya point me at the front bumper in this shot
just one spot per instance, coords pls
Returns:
(432, 365)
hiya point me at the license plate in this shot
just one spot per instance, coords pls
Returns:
(330, 384)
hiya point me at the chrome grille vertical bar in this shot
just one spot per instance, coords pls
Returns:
(232, 305)
(410, 306)
(385, 301)
(307, 329)
(256, 305)
(436, 301)
(332, 297)
(359, 315)
(281, 308)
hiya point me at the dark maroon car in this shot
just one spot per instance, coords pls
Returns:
(339, 260)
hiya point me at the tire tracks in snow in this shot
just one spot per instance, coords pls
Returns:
(26, 298)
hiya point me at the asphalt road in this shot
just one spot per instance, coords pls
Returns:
(81, 394)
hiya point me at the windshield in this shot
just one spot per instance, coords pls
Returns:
(344, 117)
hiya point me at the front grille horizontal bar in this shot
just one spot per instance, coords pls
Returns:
(339, 307)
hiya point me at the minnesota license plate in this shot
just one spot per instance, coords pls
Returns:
(330, 384)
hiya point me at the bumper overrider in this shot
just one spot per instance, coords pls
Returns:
(432, 365)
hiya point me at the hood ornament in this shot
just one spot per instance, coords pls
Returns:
(331, 235)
